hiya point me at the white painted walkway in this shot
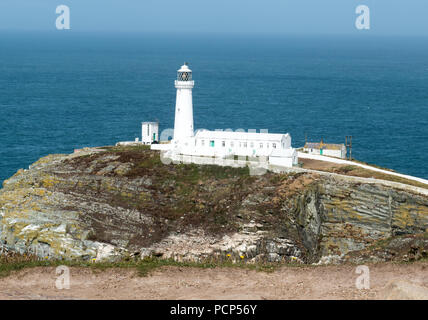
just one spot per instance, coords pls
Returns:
(352, 163)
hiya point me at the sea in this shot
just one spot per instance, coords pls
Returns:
(66, 90)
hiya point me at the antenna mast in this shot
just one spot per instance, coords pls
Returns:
(348, 144)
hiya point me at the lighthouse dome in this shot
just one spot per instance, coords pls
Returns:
(184, 73)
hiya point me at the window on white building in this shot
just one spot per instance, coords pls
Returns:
(231, 143)
(261, 145)
(251, 144)
(223, 143)
(202, 142)
(267, 145)
(274, 145)
(245, 144)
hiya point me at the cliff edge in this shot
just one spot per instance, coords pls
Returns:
(120, 202)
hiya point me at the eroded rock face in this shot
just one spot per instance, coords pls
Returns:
(339, 217)
(118, 202)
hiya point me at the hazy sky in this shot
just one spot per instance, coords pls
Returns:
(388, 17)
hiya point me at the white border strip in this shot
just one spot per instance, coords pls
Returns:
(352, 163)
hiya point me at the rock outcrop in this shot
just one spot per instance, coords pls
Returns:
(122, 202)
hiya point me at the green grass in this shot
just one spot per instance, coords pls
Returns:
(356, 171)
(127, 148)
(148, 265)
(192, 173)
(372, 165)
(348, 168)
(365, 173)
(151, 162)
(144, 267)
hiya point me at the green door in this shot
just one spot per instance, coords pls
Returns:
(320, 151)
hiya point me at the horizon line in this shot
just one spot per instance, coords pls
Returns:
(356, 34)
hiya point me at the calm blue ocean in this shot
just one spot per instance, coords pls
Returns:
(63, 90)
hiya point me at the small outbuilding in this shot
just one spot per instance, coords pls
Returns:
(326, 149)
(150, 132)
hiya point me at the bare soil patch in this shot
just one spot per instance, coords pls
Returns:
(308, 282)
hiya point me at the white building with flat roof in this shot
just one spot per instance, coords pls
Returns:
(276, 147)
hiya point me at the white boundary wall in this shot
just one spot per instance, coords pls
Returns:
(397, 185)
(217, 161)
(281, 161)
(352, 163)
(161, 147)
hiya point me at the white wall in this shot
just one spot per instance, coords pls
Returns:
(218, 161)
(239, 147)
(340, 161)
(328, 152)
(161, 147)
(278, 161)
(283, 162)
(148, 129)
(332, 153)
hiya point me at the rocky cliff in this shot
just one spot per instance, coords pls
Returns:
(122, 202)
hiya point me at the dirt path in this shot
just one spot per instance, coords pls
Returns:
(323, 282)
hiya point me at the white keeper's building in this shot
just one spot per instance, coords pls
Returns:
(274, 147)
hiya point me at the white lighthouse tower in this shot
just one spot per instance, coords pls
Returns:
(183, 125)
